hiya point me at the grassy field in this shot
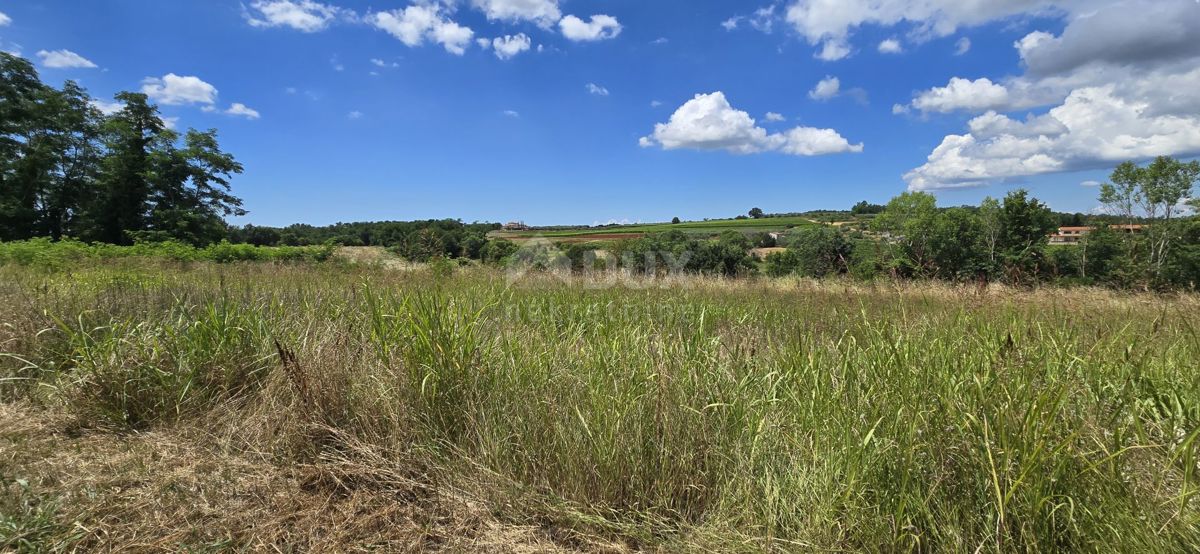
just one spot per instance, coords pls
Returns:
(706, 228)
(297, 407)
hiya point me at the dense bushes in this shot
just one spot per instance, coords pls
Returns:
(1008, 241)
(414, 240)
(913, 238)
(47, 253)
(675, 251)
(814, 252)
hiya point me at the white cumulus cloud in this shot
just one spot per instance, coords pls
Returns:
(64, 59)
(597, 90)
(828, 88)
(510, 45)
(963, 94)
(241, 110)
(709, 122)
(600, 27)
(774, 117)
(4, 20)
(543, 12)
(419, 23)
(1095, 127)
(1120, 81)
(890, 46)
(174, 90)
(830, 23)
(302, 15)
(1134, 32)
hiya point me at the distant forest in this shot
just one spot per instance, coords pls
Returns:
(413, 239)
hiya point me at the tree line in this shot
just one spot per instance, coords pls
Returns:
(1145, 239)
(413, 240)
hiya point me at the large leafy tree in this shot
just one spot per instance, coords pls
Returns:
(1026, 224)
(991, 223)
(954, 244)
(1183, 264)
(20, 97)
(189, 188)
(48, 152)
(815, 251)
(1157, 193)
(63, 159)
(122, 207)
(960, 243)
(67, 170)
(908, 222)
(1100, 256)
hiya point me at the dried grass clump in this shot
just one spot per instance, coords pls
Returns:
(167, 491)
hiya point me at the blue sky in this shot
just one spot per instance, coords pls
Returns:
(351, 111)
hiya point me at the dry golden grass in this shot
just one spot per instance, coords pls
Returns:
(180, 488)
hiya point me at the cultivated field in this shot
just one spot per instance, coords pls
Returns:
(151, 406)
(699, 228)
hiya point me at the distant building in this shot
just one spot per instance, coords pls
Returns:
(516, 226)
(1072, 235)
(1069, 235)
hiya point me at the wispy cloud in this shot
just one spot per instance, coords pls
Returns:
(64, 59)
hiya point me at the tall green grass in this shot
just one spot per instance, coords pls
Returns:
(744, 416)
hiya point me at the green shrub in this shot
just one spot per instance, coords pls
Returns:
(44, 253)
(29, 521)
(441, 267)
(812, 252)
(134, 373)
